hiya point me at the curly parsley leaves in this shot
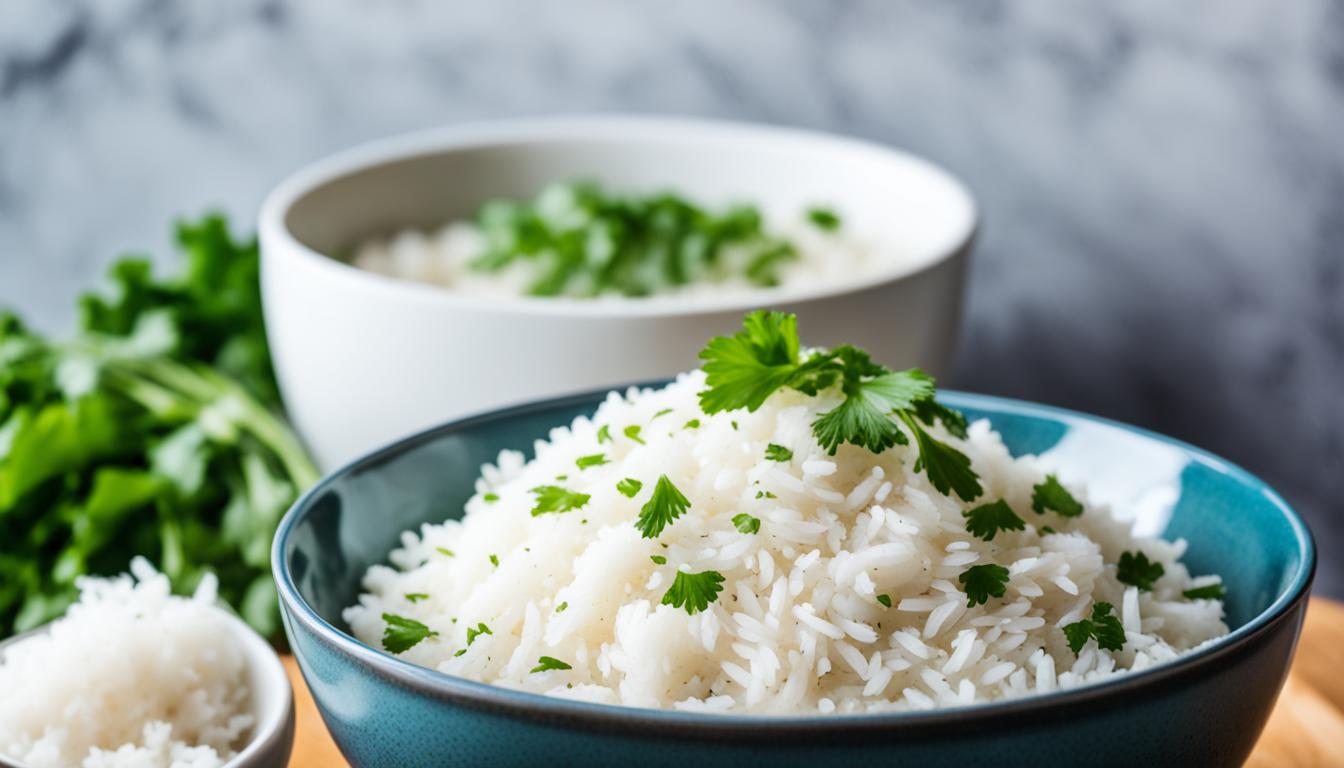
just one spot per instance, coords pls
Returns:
(402, 634)
(1104, 627)
(982, 582)
(1137, 570)
(548, 663)
(666, 505)
(1050, 494)
(744, 369)
(556, 499)
(694, 591)
(987, 520)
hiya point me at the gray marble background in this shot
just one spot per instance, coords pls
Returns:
(1162, 182)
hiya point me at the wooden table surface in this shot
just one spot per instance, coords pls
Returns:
(1306, 729)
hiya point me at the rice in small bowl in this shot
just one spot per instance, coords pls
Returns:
(675, 565)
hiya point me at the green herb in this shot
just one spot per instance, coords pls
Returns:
(694, 591)
(632, 432)
(416, 597)
(153, 431)
(982, 582)
(1052, 495)
(548, 663)
(987, 520)
(746, 523)
(490, 498)
(885, 600)
(663, 412)
(556, 499)
(1046, 530)
(1208, 592)
(692, 424)
(824, 219)
(658, 559)
(595, 460)
(1104, 627)
(604, 434)
(494, 560)
(765, 495)
(744, 369)
(734, 423)
(445, 551)
(1137, 570)
(561, 607)
(473, 633)
(777, 453)
(666, 505)
(402, 634)
(578, 239)
(629, 487)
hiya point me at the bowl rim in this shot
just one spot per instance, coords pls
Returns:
(268, 734)
(279, 242)
(761, 727)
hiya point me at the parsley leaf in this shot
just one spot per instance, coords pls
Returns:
(1052, 495)
(595, 460)
(666, 505)
(491, 498)
(663, 412)
(1104, 627)
(658, 559)
(948, 469)
(548, 663)
(402, 634)
(632, 432)
(929, 410)
(554, 498)
(561, 607)
(494, 560)
(1207, 592)
(746, 523)
(604, 434)
(864, 418)
(765, 495)
(982, 582)
(694, 591)
(629, 487)
(477, 631)
(1135, 569)
(885, 600)
(824, 219)
(777, 453)
(987, 520)
(416, 597)
(692, 424)
(445, 551)
(744, 369)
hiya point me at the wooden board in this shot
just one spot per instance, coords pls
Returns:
(1306, 729)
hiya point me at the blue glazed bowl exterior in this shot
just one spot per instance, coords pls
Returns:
(1208, 708)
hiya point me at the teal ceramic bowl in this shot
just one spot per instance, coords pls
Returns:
(1207, 708)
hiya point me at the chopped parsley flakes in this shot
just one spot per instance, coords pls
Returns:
(987, 520)
(494, 560)
(982, 582)
(556, 499)
(490, 498)
(604, 434)
(629, 487)
(765, 495)
(746, 523)
(416, 597)
(632, 432)
(445, 551)
(692, 424)
(1207, 592)
(548, 663)
(824, 219)
(561, 607)
(658, 559)
(1137, 570)
(885, 600)
(663, 412)
(1104, 627)
(402, 634)
(775, 452)
(594, 460)
(666, 505)
(744, 369)
(1052, 495)
(694, 591)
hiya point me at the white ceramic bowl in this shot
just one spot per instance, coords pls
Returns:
(363, 358)
(272, 736)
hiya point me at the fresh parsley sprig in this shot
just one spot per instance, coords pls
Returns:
(555, 499)
(1137, 570)
(1051, 494)
(744, 369)
(666, 505)
(402, 634)
(694, 591)
(982, 582)
(1104, 627)
(987, 520)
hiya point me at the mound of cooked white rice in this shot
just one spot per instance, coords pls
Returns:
(131, 677)
(846, 599)
(444, 257)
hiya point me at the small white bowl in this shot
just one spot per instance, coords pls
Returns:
(363, 359)
(272, 737)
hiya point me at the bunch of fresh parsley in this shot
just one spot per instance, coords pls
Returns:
(577, 239)
(155, 431)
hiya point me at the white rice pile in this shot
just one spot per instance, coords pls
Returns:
(444, 258)
(799, 626)
(131, 677)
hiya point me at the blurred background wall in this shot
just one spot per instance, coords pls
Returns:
(1162, 183)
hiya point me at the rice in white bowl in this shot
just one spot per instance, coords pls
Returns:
(801, 624)
(131, 677)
